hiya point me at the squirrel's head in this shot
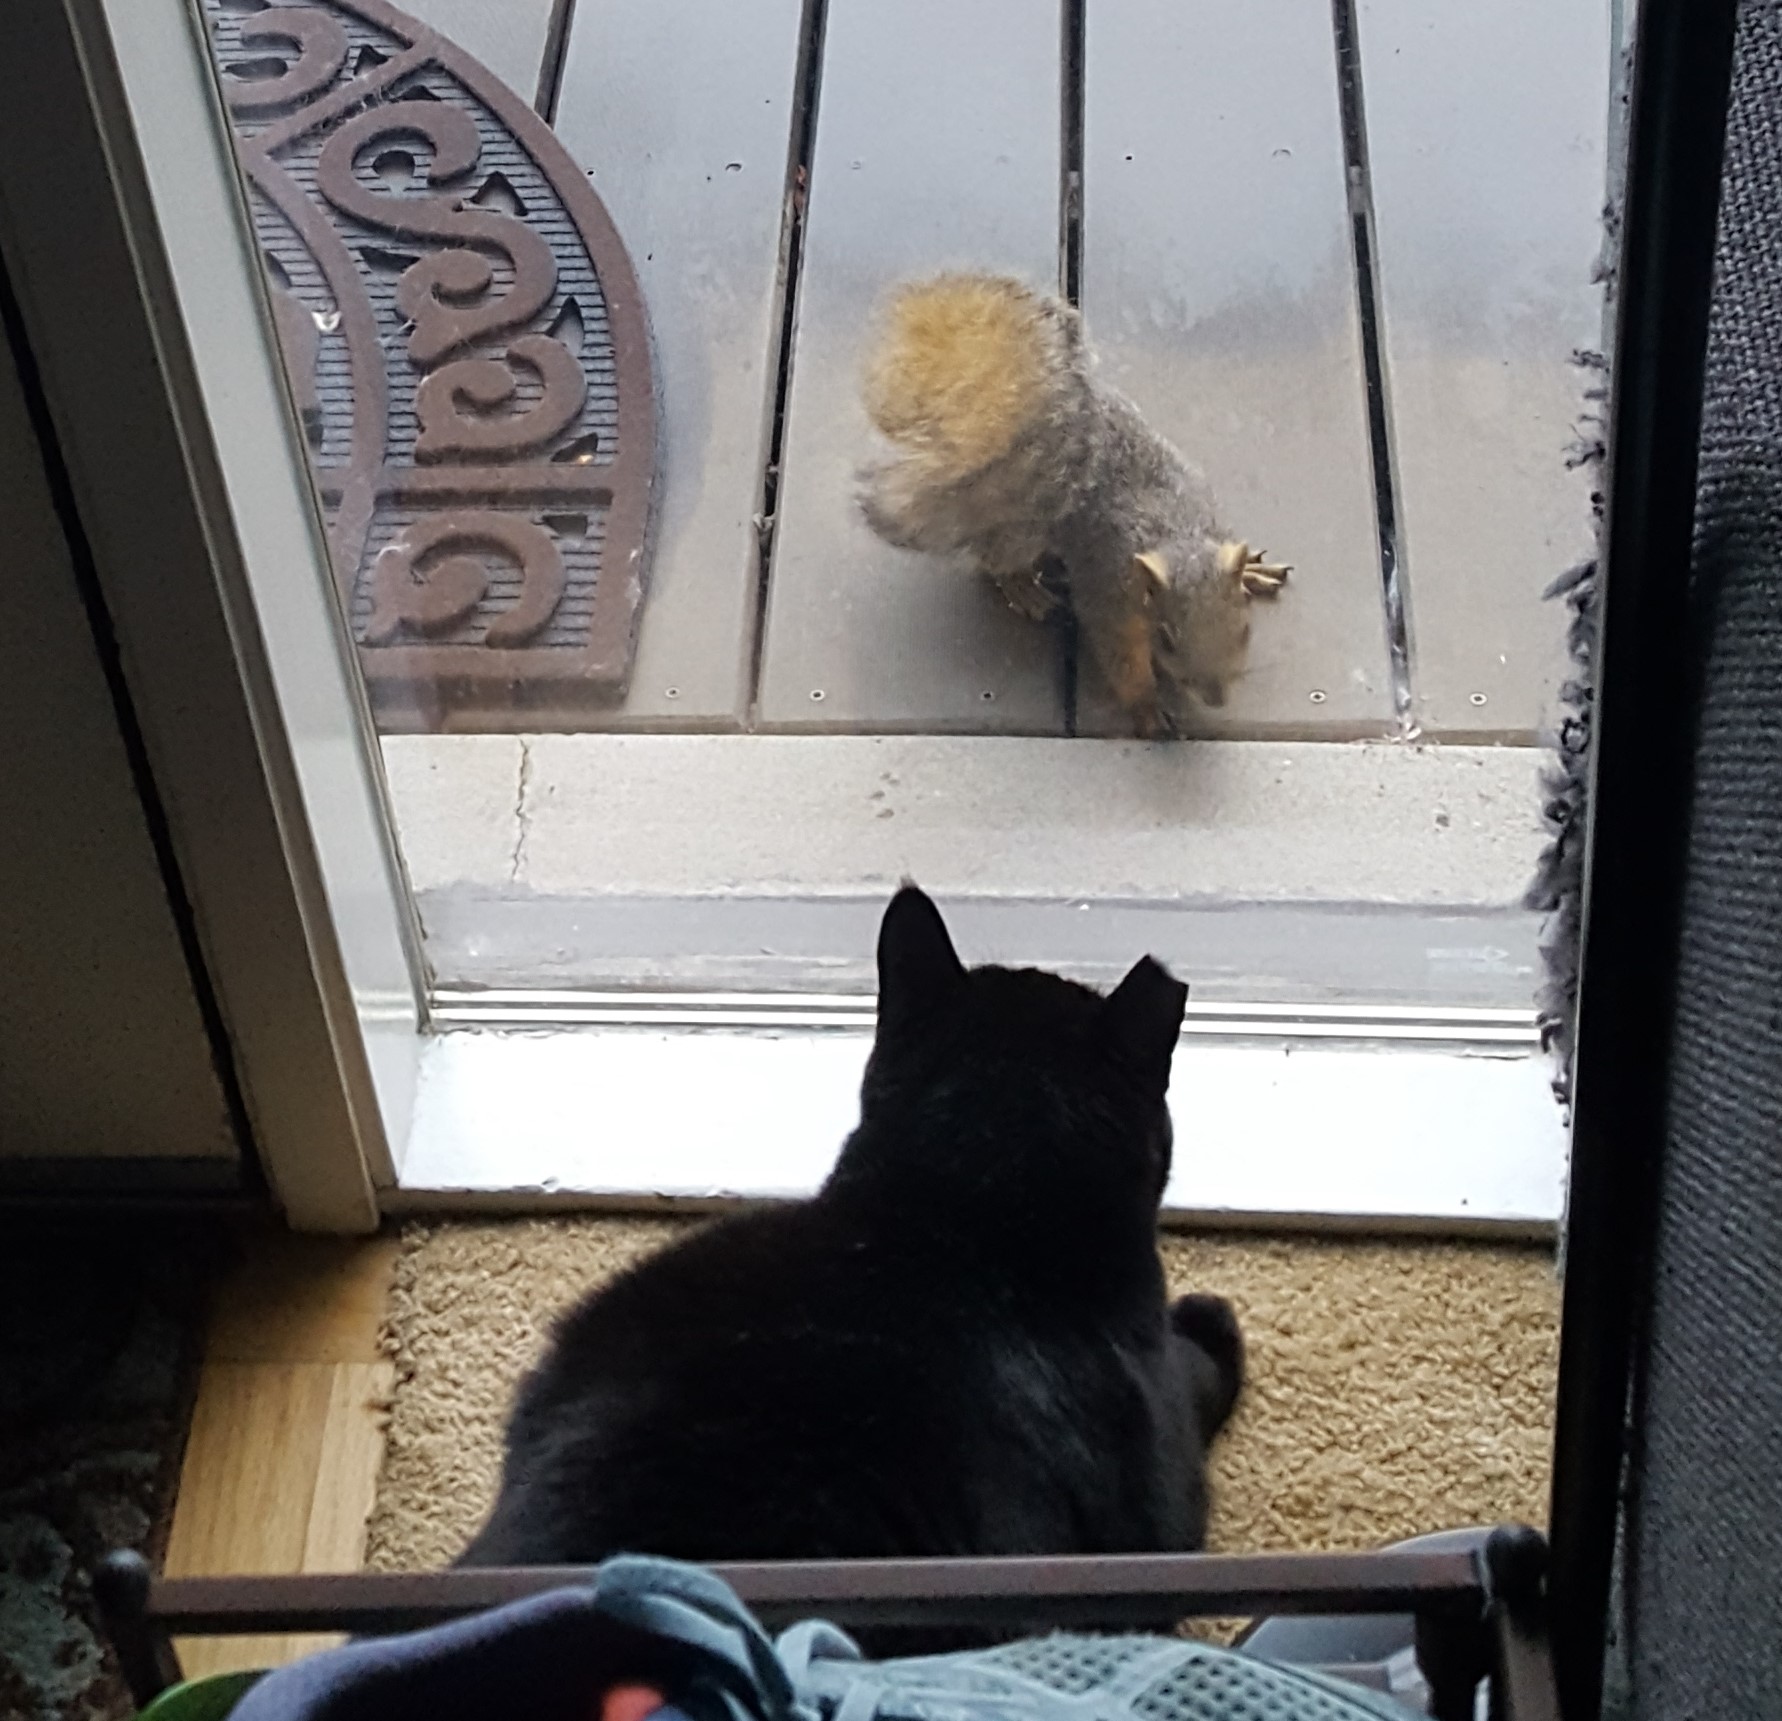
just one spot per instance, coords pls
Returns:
(1200, 605)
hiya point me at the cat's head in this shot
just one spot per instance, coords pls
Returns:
(1054, 1079)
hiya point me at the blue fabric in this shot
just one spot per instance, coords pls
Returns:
(677, 1628)
(550, 1658)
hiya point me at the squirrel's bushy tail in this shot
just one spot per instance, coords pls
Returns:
(963, 365)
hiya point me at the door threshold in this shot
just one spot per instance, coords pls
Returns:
(1274, 1130)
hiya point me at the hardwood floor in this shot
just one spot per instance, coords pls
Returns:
(287, 1438)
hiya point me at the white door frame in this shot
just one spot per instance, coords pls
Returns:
(127, 236)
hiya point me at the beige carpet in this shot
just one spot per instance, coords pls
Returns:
(1394, 1387)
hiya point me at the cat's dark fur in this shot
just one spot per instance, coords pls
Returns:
(960, 1345)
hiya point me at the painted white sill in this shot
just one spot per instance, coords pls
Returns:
(1432, 1139)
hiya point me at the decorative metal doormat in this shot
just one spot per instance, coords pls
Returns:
(469, 353)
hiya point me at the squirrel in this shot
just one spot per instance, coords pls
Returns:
(1010, 451)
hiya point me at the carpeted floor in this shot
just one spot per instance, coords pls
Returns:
(1394, 1387)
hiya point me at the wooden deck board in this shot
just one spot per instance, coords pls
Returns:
(937, 146)
(1487, 136)
(508, 37)
(1218, 286)
(681, 111)
(1217, 283)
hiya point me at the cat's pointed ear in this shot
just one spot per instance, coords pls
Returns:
(1141, 1019)
(918, 966)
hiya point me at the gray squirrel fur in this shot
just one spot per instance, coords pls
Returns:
(1013, 454)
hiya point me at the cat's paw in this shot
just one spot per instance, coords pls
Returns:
(1211, 1323)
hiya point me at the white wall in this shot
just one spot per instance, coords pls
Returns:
(103, 1053)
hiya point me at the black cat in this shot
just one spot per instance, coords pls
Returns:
(959, 1345)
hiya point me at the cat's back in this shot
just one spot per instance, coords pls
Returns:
(798, 1322)
(767, 1386)
(955, 1347)
(791, 1273)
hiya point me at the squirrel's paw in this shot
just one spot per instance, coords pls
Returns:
(888, 524)
(1259, 578)
(1265, 579)
(1154, 721)
(1027, 593)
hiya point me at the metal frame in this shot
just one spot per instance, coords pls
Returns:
(127, 238)
(1479, 1614)
(1639, 800)
(1367, 1023)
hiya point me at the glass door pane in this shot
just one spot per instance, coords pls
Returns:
(584, 404)
(767, 452)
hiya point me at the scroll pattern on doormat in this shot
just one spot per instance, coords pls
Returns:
(469, 355)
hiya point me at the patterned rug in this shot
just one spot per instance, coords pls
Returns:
(101, 1323)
